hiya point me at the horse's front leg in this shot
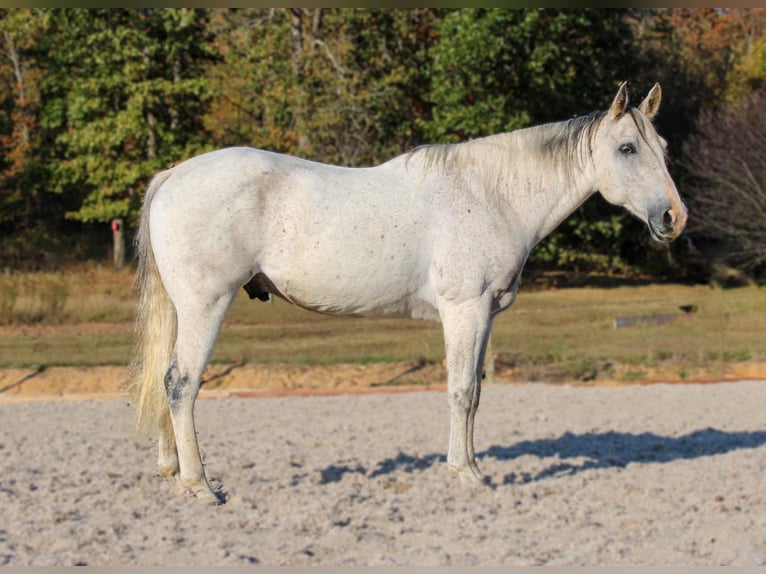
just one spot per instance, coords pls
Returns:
(466, 330)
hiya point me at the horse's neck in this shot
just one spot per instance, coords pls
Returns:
(541, 187)
(555, 199)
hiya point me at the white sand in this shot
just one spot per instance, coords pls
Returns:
(649, 475)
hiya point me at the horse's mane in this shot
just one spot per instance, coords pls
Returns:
(560, 148)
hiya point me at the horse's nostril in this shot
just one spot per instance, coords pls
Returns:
(668, 218)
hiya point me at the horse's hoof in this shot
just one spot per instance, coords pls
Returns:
(467, 475)
(168, 471)
(208, 497)
(201, 493)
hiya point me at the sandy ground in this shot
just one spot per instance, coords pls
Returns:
(664, 474)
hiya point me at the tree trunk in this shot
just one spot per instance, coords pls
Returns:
(21, 94)
(151, 119)
(299, 111)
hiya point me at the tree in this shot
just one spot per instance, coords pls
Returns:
(748, 74)
(20, 103)
(690, 51)
(250, 86)
(125, 93)
(361, 69)
(29, 216)
(727, 182)
(496, 70)
(340, 86)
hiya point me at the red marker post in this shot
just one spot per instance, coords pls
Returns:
(119, 243)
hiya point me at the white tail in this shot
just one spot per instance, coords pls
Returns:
(155, 330)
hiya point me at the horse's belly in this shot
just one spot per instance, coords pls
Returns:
(340, 303)
(361, 282)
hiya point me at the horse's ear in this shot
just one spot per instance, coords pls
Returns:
(651, 104)
(620, 102)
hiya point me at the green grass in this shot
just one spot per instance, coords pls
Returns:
(567, 327)
(564, 333)
(56, 350)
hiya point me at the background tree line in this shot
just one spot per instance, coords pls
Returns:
(93, 102)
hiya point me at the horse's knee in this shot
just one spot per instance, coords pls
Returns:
(464, 398)
(460, 400)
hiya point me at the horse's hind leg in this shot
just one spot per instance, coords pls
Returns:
(167, 460)
(198, 326)
(466, 331)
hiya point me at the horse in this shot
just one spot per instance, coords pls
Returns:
(441, 232)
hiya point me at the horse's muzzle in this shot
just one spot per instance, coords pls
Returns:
(669, 224)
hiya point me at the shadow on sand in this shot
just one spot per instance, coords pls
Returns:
(587, 451)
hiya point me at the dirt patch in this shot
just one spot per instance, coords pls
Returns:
(273, 379)
(283, 379)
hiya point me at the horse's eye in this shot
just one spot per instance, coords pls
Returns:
(627, 149)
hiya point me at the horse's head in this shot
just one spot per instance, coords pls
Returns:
(629, 162)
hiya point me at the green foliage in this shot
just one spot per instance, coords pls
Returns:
(348, 94)
(583, 245)
(360, 64)
(748, 74)
(125, 93)
(496, 70)
(250, 85)
(20, 185)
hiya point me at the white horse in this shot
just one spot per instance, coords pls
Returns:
(439, 233)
